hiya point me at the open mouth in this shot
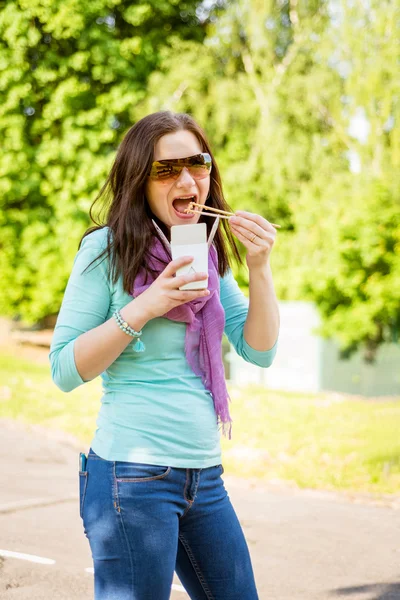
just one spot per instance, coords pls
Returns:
(181, 203)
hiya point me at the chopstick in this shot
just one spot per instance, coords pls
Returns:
(224, 214)
(203, 212)
(217, 210)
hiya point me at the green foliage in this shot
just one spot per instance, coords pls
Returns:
(300, 102)
(290, 82)
(71, 76)
(352, 241)
(348, 223)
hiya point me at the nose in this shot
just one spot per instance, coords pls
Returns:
(185, 178)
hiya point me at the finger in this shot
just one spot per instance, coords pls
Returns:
(254, 238)
(180, 280)
(248, 239)
(252, 227)
(188, 295)
(256, 219)
(241, 237)
(176, 264)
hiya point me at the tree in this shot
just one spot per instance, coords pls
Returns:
(72, 74)
(279, 86)
(349, 222)
(289, 80)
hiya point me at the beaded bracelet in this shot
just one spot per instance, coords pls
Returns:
(125, 327)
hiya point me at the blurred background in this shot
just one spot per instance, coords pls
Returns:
(300, 101)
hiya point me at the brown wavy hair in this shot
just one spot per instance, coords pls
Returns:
(128, 214)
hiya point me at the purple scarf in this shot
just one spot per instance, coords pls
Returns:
(205, 318)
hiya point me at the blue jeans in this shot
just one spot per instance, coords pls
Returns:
(145, 521)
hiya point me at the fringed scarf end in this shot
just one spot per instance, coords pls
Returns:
(227, 428)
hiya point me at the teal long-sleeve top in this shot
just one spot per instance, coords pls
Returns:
(153, 409)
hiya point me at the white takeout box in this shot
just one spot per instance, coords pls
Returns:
(191, 240)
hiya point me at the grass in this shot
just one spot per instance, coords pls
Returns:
(323, 441)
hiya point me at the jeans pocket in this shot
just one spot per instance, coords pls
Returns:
(130, 471)
(83, 477)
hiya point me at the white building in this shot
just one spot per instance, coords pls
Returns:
(306, 362)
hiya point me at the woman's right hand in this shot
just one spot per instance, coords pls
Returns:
(164, 294)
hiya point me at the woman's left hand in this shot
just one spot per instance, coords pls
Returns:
(257, 234)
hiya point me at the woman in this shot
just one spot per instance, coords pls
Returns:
(151, 495)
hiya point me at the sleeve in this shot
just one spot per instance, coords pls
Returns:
(236, 307)
(85, 305)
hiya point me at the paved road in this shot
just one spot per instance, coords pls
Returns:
(304, 545)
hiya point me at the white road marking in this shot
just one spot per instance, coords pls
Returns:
(30, 557)
(50, 561)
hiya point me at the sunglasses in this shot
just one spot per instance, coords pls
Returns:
(199, 167)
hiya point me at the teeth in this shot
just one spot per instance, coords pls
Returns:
(184, 203)
(183, 208)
